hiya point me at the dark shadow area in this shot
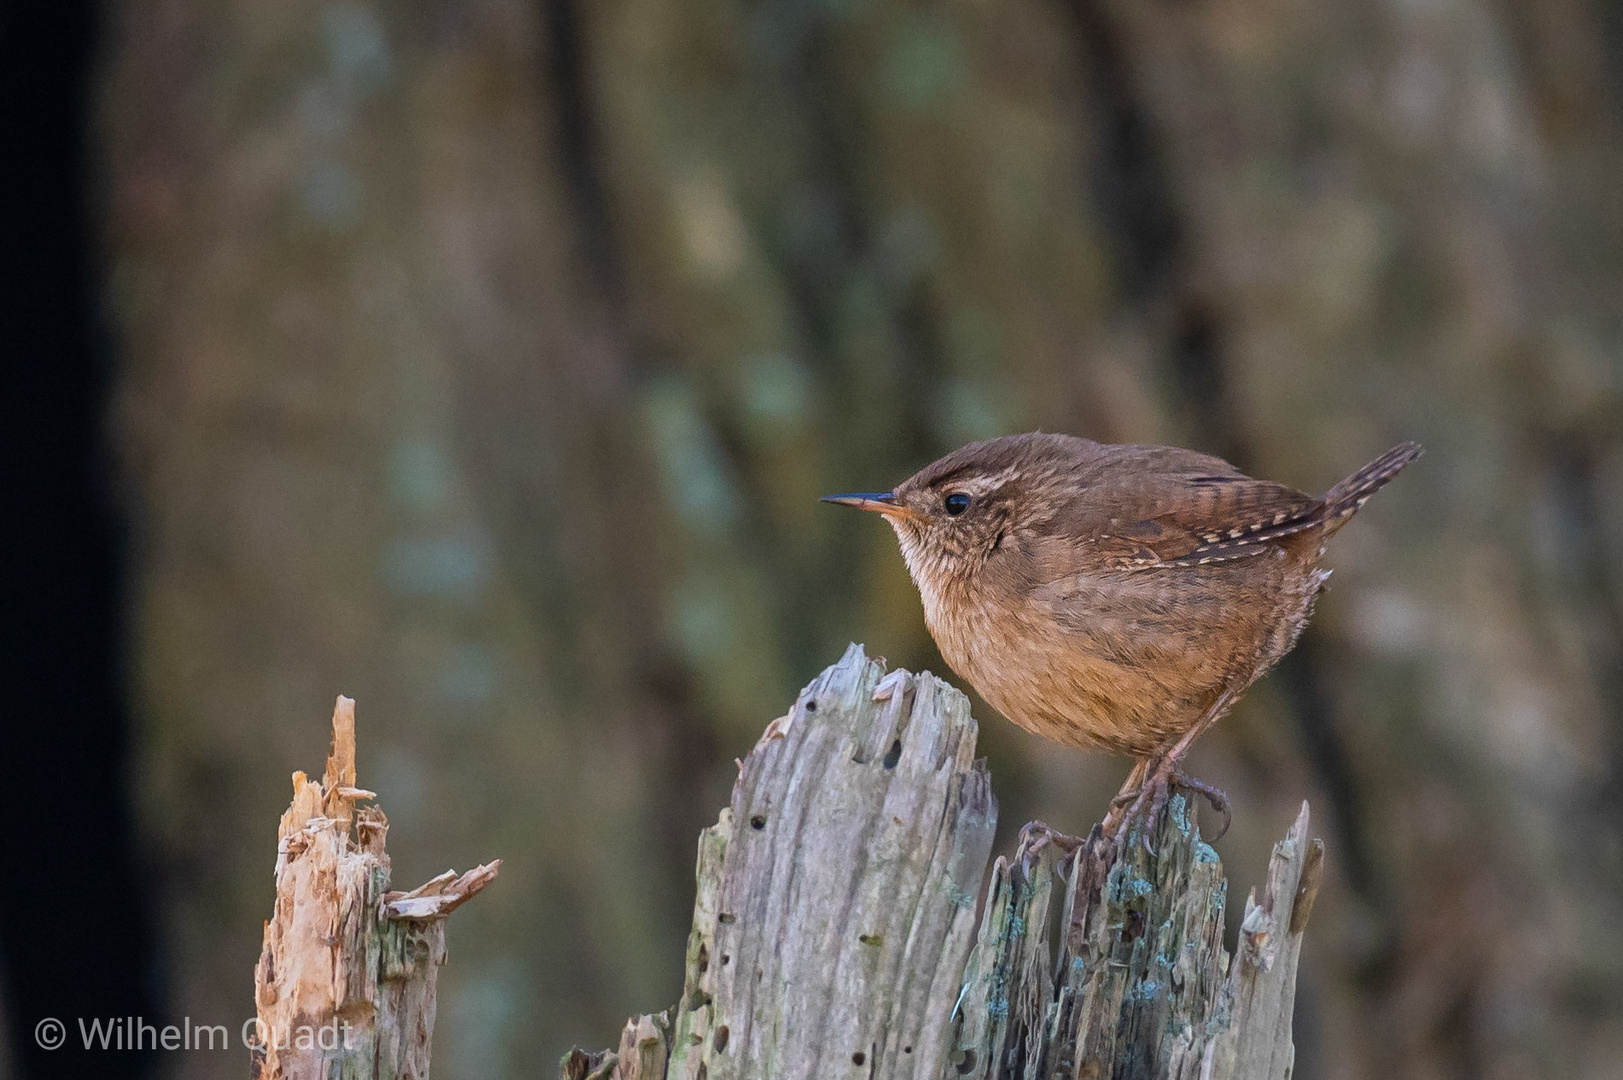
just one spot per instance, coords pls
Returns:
(76, 938)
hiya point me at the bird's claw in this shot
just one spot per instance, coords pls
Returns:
(1148, 801)
(1037, 835)
(1212, 794)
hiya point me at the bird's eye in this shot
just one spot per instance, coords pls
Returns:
(957, 503)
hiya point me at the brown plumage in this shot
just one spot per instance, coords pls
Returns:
(1114, 597)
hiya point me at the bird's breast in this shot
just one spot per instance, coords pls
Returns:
(1004, 649)
(1125, 663)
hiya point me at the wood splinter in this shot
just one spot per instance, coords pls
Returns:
(345, 984)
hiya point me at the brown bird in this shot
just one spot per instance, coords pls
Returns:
(1115, 597)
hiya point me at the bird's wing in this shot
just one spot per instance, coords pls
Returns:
(1160, 506)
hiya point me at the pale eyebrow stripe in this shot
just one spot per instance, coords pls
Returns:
(982, 485)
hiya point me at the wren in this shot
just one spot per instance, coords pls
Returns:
(1115, 597)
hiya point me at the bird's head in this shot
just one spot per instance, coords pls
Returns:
(955, 516)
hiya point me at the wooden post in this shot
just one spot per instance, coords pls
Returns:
(835, 929)
(345, 982)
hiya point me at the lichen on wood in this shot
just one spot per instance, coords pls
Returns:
(345, 984)
(1142, 987)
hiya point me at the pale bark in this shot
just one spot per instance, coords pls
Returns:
(836, 899)
(346, 983)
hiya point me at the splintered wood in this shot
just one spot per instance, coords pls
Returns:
(835, 930)
(345, 982)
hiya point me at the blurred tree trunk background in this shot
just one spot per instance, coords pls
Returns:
(484, 360)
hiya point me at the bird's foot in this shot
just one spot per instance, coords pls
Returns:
(1119, 811)
(1147, 802)
(1125, 798)
(1037, 835)
(1213, 795)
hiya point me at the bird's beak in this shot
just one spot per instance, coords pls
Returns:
(880, 502)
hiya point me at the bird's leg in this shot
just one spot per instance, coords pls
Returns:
(1134, 781)
(1130, 789)
(1168, 770)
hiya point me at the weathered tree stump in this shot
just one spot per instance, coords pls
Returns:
(345, 984)
(837, 894)
(835, 929)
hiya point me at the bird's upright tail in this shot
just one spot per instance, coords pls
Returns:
(1342, 501)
